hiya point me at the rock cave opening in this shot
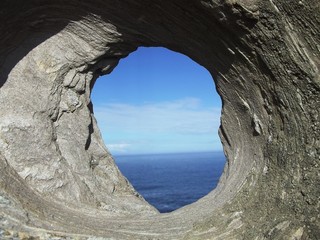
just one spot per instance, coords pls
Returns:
(159, 114)
(58, 179)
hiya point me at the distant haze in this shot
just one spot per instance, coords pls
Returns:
(157, 101)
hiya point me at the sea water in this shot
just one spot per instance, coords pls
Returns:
(171, 181)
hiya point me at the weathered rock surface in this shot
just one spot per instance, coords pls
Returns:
(57, 178)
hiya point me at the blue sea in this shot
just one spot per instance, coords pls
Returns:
(170, 181)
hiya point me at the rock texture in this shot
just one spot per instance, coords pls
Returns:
(58, 180)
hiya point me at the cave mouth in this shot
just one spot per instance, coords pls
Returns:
(159, 114)
(56, 175)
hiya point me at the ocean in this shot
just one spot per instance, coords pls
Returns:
(171, 181)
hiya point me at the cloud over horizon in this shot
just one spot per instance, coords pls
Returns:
(159, 127)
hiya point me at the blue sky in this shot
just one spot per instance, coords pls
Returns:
(157, 101)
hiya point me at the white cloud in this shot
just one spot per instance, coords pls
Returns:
(171, 120)
(119, 147)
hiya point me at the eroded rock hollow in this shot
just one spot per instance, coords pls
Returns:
(58, 179)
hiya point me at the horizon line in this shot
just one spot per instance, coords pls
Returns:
(166, 153)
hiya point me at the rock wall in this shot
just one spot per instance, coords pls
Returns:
(58, 179)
